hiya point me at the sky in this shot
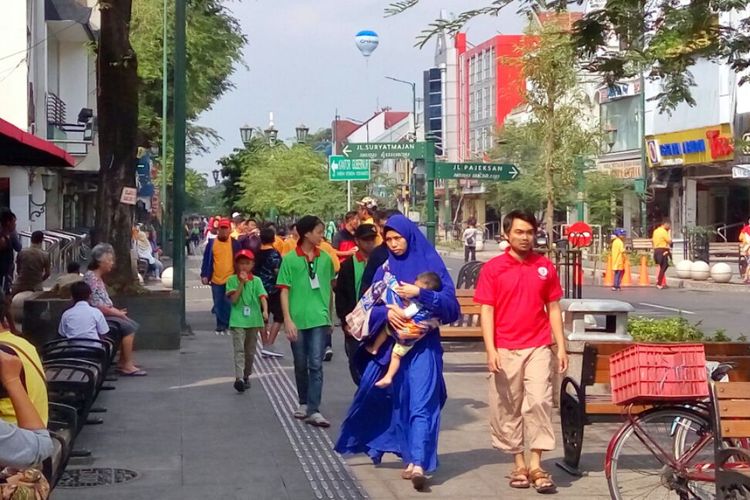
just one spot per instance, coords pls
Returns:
(303, 65)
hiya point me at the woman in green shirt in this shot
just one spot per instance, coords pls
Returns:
(306, 280)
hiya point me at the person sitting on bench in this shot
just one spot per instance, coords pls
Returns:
(82, 321)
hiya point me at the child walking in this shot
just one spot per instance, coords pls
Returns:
(248, 316)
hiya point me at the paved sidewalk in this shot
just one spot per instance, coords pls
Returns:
(673, 281)
(190, 436)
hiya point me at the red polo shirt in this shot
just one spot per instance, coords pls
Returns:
(519, 291)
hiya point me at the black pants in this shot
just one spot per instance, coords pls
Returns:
(470, 252)
(661, 257)
(350, 346)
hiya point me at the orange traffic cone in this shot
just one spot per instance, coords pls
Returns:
(609, 277)
(643, 279)
(627, 280)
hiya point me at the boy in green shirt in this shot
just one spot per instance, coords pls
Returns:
(248, 316)
(306, 281)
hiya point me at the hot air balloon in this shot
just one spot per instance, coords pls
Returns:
(367, 41)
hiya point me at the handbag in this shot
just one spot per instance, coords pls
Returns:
(26, 484)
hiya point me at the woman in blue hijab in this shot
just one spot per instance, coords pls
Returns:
(404, 418)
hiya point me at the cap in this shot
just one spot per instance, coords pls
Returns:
(366, 231)
(245, 253)
(225, 223)
(368, 203)
(236, 214)
(620, 232)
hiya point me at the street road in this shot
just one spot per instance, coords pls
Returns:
(714, 310)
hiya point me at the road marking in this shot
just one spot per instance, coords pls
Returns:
(674, 309)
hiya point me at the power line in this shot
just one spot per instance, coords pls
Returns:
(8, 56)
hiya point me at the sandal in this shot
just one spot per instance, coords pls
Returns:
(519, 478)
(418, 480)
(547, 485)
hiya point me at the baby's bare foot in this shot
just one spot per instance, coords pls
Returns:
(383, 382)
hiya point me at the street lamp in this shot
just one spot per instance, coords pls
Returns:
(217, 175)
(413, 100)
(302, 132)
(246, 133)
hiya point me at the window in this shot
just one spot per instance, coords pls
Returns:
(486, 98)
(488, 64)
(622, 115)
(471, 106)
(479, 68)
(472, 143)
(493, 101)
(478, 106)
(472, 69)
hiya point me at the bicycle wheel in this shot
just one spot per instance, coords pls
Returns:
(635, 470)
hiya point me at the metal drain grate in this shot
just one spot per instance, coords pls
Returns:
(87, 478)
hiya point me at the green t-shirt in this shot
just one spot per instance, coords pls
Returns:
(309, 307)
(359, 271)
(247, 312)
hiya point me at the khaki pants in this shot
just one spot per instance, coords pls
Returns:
(244, 341)
(521, 400)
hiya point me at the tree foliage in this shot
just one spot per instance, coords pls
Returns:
(292, 181)
(196, 191)
(601, 192)
(623, 38)
(214, 48)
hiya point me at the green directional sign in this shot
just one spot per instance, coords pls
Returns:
(477, 171)
(384, 150)
(345, 169)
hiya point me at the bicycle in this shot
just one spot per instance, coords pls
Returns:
(666, 450)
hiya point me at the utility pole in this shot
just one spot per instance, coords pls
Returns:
(178, 177)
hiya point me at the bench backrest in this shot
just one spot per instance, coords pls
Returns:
(731, 402)
(470, 310)
(641, 244)
(595, 369)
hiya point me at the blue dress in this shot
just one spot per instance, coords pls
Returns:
(403, 419)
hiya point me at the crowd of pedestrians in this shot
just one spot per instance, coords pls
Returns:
(387, 287)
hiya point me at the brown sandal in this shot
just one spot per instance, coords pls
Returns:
(547, 486)
(519, 478)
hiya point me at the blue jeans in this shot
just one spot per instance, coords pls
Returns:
(222, 306)
(308, 366)
(618, 278)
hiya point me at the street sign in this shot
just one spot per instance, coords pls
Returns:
(384, 150)
(345, 169)
(477, 171)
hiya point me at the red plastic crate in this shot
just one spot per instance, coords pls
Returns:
(658, 372)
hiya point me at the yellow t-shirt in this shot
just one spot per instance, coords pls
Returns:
(618, 254)
(36, 385)
(327, 248)
(661, 238)
(289, 245)
(223, 261)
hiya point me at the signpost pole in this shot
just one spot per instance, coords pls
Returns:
(348, 195)
(429, 163)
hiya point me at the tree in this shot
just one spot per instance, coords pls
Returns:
(117, 104)
(663, 39)
(556, 106)
(196, 190)
(601, 192)
(293, 181)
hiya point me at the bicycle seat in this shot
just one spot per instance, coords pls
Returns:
(722, 370)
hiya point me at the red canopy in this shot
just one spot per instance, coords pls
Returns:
(19, 148)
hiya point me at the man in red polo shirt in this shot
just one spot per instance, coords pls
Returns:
(519, 292)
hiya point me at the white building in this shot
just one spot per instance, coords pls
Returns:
(48, 89)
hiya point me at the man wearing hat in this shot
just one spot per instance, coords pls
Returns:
(348, 287)
(217, 267)
(366, 210)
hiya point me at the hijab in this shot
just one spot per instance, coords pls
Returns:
(420, 255)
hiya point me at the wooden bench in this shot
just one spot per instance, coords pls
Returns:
(727, 251)
(578, 409)
(643, 245)
(731, 403)
(468, 326)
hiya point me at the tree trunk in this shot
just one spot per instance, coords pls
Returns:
(117, 101)
(549, 179)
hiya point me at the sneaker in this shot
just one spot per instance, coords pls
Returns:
(301, 412)
(239, 385)
(219, 331)
(328, 356)
(317, 420)
(269, 352)
(246, 381)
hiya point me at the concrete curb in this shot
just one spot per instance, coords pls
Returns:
(672, 282)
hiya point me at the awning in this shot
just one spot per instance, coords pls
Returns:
(22, 149)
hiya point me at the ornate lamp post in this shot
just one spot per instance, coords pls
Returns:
(302, 132)
(246, 133)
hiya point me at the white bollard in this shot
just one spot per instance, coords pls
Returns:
(683, 269)
(167, 277)
(721, 272)
(700, 271)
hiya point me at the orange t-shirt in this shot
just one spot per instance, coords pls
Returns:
(278, 244)
(223, 261)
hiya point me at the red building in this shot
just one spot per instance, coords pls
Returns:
(491, 85)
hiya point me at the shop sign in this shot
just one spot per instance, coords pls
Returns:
(625, 169)
(691, 147)
(619, 90)
(741, 172)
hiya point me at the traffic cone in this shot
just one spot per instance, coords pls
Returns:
(627, 280)
(643, 279)
(609, 277)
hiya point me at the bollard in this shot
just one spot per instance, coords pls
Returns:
(643, 279)
(609, 278)
(627, 280)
